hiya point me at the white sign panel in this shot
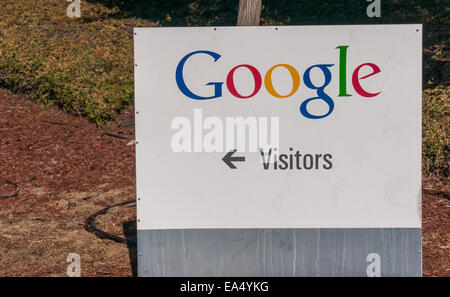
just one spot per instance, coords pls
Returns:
(278, 127)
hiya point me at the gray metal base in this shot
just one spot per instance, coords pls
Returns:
(278, 252)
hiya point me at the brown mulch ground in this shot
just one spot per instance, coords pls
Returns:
(436, 227)
(67, 168)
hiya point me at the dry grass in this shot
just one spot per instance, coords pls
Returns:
(37, 245)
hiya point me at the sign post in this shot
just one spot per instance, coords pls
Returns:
(279, 151)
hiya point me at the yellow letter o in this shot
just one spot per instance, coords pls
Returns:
(295, 80)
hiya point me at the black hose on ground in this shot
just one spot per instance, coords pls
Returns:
(90, 226)
(13, 194)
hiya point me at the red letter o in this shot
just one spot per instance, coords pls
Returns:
(256, 77)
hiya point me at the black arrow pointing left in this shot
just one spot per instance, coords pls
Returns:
(229, 159)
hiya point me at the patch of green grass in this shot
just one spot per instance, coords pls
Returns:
(83, 65)
(436, 125)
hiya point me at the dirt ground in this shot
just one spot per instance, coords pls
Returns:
(67, 169)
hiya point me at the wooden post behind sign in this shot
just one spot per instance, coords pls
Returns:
(249, 12)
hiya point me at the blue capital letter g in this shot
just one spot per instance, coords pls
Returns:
(182, 85)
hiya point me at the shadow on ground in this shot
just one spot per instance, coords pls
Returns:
(129, 229)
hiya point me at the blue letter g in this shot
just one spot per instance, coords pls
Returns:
(182, 85)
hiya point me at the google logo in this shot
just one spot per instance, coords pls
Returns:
(295, 76)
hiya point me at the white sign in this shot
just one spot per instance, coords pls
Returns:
(278, 127)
